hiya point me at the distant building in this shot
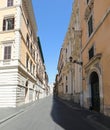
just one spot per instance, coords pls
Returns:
(55, 89)
(22, 70)
(41, 75)
(51, 86)
(69, 64)
(60, 83)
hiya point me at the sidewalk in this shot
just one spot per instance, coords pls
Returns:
(8, 113)
(92, 116)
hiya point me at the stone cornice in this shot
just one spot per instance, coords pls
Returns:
(28, 5)
(10, 7)
(23, 71)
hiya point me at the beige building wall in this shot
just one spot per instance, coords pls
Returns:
(99, 63)
(90, 46)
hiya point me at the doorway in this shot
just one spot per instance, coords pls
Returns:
(95, 95)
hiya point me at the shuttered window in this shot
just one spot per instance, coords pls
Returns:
(27, 40)
(8, 24)
(9, 2)
(87, 1)
(90, 25)
(7, 52)
(91, 52)
(27, 62)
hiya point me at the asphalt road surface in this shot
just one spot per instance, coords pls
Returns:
(50, 114)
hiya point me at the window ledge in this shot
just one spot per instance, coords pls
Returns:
(7, 31)
(93, 59)
(6, 62)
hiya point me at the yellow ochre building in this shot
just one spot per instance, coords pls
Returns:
(23, 77)
(85, 73)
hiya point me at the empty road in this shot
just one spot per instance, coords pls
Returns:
(50, 114)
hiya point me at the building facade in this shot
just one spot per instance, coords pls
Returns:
(88, 36)
(71, 58)
(41, 75)
(95, 23)
(55, 89)
(20, 54)
(59, 83)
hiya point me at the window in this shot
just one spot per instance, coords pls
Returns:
(7, 52)
(91, 52)
(66, 50)
(31, 32)
(90, 25)
(66, 88)
(66, 78)
(33, 53)
(31, 49)
(8, 24)
(33, 69)
(27, 23)
(31, 66)
(87, 1)
(27, 40)
(9, 2)
(27, 61)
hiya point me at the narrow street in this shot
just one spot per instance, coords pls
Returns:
(50, 114)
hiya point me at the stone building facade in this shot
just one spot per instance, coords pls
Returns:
(21, 56)
(72, 65)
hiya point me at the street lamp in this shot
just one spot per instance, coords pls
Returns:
(70, 60)
(74, 61)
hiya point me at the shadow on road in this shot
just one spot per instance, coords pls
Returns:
(64, 116)
(70, 119)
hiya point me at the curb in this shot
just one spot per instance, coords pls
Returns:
(16, 113)
(97, 124)
(11, 116)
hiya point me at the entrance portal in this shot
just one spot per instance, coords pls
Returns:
(95, 96)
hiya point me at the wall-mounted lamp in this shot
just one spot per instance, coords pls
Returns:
(83, 78)
(74, 61)
(71, 58)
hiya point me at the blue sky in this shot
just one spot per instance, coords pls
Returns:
(52, 18)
